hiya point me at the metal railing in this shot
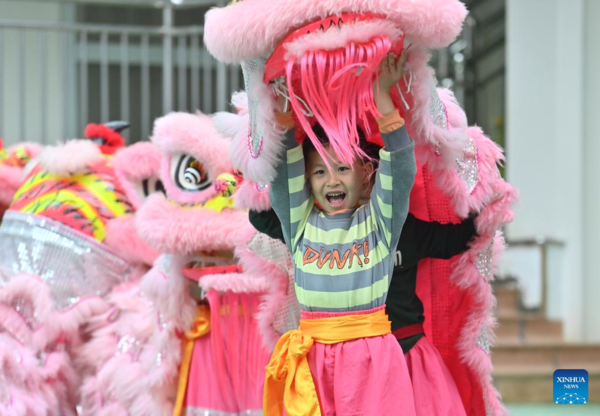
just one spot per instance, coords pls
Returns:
(543, 245)
(94, 73)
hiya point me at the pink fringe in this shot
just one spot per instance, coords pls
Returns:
(338, 86)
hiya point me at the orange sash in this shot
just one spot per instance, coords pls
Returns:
(201, 327)
(289, 382)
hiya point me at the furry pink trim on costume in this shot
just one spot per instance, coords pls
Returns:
(134, 164)
(261, 169)
(71, 158)
(170, 228)
(251, 195)
(236, 126)
(450, 141)
(265, 23)
(195, 135)
(10, 181)
(122, 236)
(354, 32)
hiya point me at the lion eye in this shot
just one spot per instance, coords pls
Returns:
(189, 174)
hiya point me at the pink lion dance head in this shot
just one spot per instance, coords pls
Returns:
(193, 341)
(68, 241)
(322, 56)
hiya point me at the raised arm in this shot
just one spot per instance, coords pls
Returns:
(290, 196)
(397, 168)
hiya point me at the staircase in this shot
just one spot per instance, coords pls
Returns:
(529, 348)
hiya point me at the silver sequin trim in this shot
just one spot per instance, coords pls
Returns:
(195, 411)
(437, 110)
(287, 316)
(128, 344)
(253, 71)
(484, 262)
(467, 167)
(483, 342)
(72, 266)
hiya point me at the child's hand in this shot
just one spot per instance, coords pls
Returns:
(391, 71)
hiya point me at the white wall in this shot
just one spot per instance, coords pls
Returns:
(591, 174)
(552, 113)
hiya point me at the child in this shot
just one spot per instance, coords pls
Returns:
(343, 359)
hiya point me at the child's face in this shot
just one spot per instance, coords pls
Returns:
(339, 188)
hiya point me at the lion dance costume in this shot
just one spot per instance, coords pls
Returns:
(322, 56)
(63, 254)
(191, 343)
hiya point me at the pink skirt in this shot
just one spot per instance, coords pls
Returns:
(363, 377)
(434, 388)
(227, 371)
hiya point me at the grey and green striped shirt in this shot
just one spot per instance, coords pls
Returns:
(342, 262)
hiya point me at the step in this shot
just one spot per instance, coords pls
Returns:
(528, 329)
(526, 384)
(555, 355)
(507, 299)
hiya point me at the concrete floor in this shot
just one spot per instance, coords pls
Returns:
(553, 410)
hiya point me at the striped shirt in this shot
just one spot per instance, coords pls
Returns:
(342, 262)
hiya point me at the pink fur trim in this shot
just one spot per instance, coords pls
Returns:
(274, 293)
(50, 324)
(10, 181)
(135, 163)
(71, 158)
(122, 237)
(248, 196)
(357, 32)
(433, 24)
(467, 276)
(454, 113)
(195, 135)
(262, 168)
(170, 228)
(450, 141)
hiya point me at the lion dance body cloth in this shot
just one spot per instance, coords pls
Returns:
(322, 56)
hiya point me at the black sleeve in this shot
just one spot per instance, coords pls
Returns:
(440, 241)
(267, 223)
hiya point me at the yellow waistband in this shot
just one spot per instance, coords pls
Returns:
(288, 380)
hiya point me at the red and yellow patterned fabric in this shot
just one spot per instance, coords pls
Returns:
(84, 202)
(15, 156)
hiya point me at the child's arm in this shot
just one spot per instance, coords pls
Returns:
(397, 168)
(290, 196)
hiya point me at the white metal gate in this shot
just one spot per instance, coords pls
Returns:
(55, 77)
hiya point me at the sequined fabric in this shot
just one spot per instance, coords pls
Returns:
(287, 316)
(467, 167)
(128, 344)
(72, 265)
(437, 109)
(483, 342)
(484, 262)
(253, 71)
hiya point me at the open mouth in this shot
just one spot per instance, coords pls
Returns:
(336, 199)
